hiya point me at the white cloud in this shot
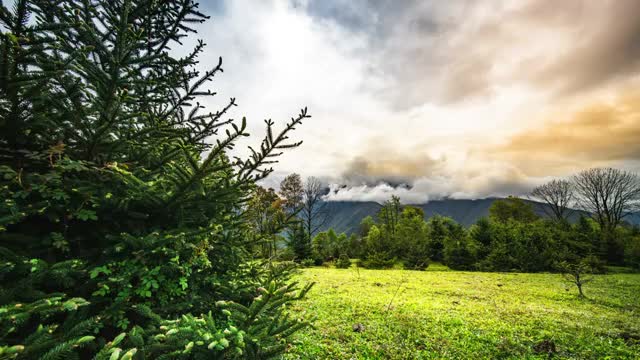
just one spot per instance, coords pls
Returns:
(395, 80)
(278, 59)
(471, 178)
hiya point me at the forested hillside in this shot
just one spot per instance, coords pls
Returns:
(347, 215)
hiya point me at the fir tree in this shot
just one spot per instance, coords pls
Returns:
(118, 190)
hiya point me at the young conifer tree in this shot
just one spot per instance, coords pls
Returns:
(122, 227)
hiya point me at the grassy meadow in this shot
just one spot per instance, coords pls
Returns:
(442, 314)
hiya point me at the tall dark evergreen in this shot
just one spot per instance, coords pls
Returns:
(123, 230)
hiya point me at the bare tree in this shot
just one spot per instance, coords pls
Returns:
(315, 212)
(557, 195)
(608, 194)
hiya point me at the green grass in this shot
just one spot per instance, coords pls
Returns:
(438, 314)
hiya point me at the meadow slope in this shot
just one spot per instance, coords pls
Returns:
(441, 314)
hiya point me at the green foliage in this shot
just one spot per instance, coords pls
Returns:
(113, 349)
(307, 263)
(292, 192)
(355, 247)
(298, 241)
(378, 250)
(388, 218)
(595, 264)
(343, 262)
(266, 214)
(53, 341)
(481, 234)
(328, 245)
(512, 208)
(365, 226)
(460, 251)
(518, 246)
(412, 242)
(121, 211)
(254, 331)
(633, 252)
(513, 238)
(322, 247)
(439, 229)
(379, 260)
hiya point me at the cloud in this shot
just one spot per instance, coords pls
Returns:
(605, 46)
(432, 99)
(424, 189)
(450, 52)
(421, 178)
(378, 163)
(599, 133)
(278, 59)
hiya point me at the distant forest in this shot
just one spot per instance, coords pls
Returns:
(510, 234)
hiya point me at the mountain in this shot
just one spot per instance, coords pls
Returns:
(465, 212)
(345, 216)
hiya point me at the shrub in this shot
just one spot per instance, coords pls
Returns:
(307, 263)
(286, 255)
(343, 262)
(378, 260)
(632, 253)
(595, 265)
(416, 262)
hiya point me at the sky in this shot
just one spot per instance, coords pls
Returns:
(434, 99)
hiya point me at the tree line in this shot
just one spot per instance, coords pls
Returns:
(512, 238)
